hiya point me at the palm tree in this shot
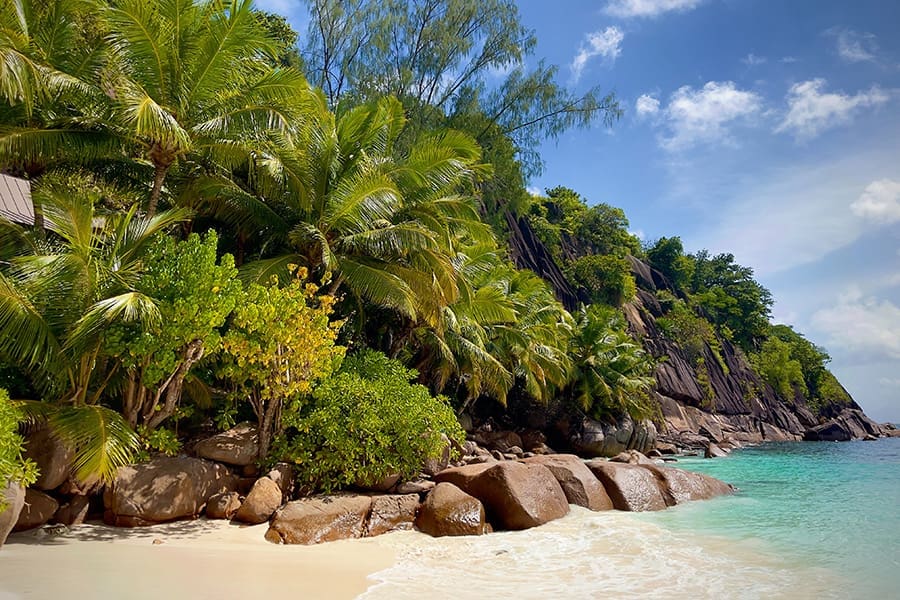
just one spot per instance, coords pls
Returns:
(58, 295)
(358, 213)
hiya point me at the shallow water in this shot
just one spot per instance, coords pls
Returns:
(811, 520)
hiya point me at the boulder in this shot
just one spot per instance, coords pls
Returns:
(13, 499)
(73, 512)
(631, 457)
(579, 485)
(39, 508)
(450, 511)
(713, 451)
(385, 484)
(320, 519)
(631, 487)
(685, 486)
(283, 475)
(223, 505)
(501, 441)
(666, 448)
(605, 439)
(850, 424)
(392, 513)
(238, 446)
(262, 501)
(52, 457)
(419, 486)
(516, 495)
(164, 489)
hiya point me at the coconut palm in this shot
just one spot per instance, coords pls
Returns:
(58, 295)
(339, 198)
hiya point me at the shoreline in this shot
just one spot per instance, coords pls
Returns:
(197, 559)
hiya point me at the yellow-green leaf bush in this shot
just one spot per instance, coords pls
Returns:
(13, 466)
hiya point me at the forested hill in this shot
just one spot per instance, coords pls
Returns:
(721, 368)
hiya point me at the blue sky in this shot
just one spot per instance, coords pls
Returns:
(770, 130)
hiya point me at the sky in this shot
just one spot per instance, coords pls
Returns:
(767, 129)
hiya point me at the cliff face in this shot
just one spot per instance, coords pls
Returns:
(718, 398)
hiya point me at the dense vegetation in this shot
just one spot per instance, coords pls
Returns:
(213, 234)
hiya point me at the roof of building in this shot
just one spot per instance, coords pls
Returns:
(15, 200)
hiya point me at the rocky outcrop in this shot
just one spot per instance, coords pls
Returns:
(164, 489)
(223, 505)
(579, 485)
(39, 509)
(450, 511)
(594, 439)
(685, 486)
(631, 487)
(52, 457)
(12, 500)
(851, 424)
(516, 495)
(238, 446)
(322, 519)
(261, 503)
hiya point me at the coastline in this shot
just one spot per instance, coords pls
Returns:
(196, 559)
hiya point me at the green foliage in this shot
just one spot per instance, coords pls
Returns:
(279, 342)
(611, 375)
(194, 293)
(608, 278)
(13, 466)
(776, 366)
(667, 256)
(690, 331)
(160, 440)
(365, 423)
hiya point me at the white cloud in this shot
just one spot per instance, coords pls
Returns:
(788, 60)
(880, 202)
(854, 47)
(639, 234)
(648, 8)
(889, 382)
(811, 111)
(606, 43)
(867, 327)
(646, 106)
(534, 191)
(752, 60)
(704, 115)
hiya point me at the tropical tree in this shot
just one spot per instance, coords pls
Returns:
(57, 296)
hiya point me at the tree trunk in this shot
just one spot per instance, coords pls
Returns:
(172, 387)
(159, 176)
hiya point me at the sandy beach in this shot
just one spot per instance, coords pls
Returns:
(196, 559)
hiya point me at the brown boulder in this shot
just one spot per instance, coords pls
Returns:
(12, 497)
(164, 489)
(450, 511)
(516, 495)
(283, 475)
(223, 505)
(39, 508)
(392, 513)
(320, 519)
(262, 501)
(631, 487)
(435, 465)
(52, 457)
(631, 457)
(238, 446)
(684, 486)
(579, 485)
(73, 512)
(501, 441)
(713, 451)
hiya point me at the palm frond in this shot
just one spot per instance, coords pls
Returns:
(100, 437)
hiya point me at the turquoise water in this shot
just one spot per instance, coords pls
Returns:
(833, 506)
(811, 520)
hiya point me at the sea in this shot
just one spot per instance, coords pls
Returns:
(810, 520)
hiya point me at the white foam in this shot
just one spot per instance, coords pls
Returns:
(588, 555)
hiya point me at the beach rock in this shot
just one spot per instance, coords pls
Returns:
(164, 489)
(631, 487)
(604, 439)
(516, 495)
(385, 484)
(450, 511)
(39, 508)
(320, 519)
(392, 513)
(579, 485)
(666, 448)
(52, 457)
(631, 457)
(713, 451)
(14, 499)
(435, 465)
(420, 486)
(223, 505)
(850, 424)
(500, 441)
(532, 439)
(238, 446)
(685, 486)
(283, 475)
(73, 512)
(262, 501)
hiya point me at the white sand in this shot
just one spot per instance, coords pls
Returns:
(196, 559)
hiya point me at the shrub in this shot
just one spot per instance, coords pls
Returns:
(366, 423)
(607, 278)
(776, 366)
(13, 467)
